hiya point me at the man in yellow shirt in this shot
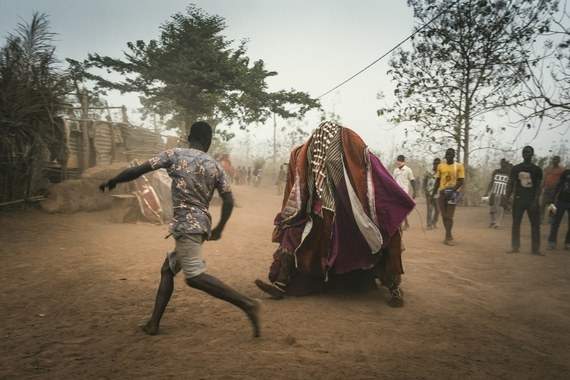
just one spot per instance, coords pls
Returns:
(449, 179)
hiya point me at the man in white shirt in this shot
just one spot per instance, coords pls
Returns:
(405, 178)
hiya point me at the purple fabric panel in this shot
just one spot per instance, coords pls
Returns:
(349, 249)
(290, 234)
(291, 238)
(393, 204)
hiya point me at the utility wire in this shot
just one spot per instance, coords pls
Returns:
(389, 51)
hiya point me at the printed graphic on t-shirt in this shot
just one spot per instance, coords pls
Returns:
(500, 184)
(525, 179)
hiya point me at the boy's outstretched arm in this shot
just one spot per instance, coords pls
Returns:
(126, 176)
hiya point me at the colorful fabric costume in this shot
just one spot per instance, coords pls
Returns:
(341, 213)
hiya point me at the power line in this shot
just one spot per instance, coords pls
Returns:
(389, 51)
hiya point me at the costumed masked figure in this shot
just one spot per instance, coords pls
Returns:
(341, 215)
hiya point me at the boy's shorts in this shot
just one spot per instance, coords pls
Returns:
(187, 256)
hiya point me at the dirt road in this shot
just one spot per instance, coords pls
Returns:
(73, 289)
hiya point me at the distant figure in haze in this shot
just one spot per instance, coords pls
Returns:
(257, 176)
(497, 191)
(562, 202)
(195, 175)
(243, 175)
(281, 179)
(551, 178)
(450, 178)
(405, 178)
(431, 196)
(239, 177)
(249, 175)
(524, 183)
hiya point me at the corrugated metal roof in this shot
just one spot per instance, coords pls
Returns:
(109, 138)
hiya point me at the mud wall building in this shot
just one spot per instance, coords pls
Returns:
(88, 143)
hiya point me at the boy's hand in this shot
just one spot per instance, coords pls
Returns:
(216, 234)
(110, 184)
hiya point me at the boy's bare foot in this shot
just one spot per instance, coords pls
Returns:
(150, 328)
(253, 315)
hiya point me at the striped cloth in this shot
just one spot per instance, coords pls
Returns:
(325, 160)
(334, 172)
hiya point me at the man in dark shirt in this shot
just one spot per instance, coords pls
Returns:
(195, 175)
(525, 182)
(562, 202)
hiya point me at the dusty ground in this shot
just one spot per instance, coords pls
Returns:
(74, 288)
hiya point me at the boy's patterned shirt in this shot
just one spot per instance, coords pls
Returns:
(195, 175)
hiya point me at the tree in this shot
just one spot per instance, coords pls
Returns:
(330, 116)
(465, 63)
(548, 84)
(32, 94)
(293, 134)
(193, 72)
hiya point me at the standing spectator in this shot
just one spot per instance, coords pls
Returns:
(281, 179)
(256, 178)
(551, 177)
(405, 178)
(525, 184)
(562, 202)
(243, 175)
(449, 179)
(431, 198)
(238, 176)
(496, 192)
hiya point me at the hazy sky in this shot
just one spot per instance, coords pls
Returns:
(313, 45)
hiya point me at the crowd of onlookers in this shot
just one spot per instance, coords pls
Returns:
(242, 175)
(524, 188)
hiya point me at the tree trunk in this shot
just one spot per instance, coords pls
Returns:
(466, 147)
(466, 136)
(155, 124)
(124, 116)
(85, 147)
(187, 126)
(274, 142)
(458, 151)
(466, 159)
